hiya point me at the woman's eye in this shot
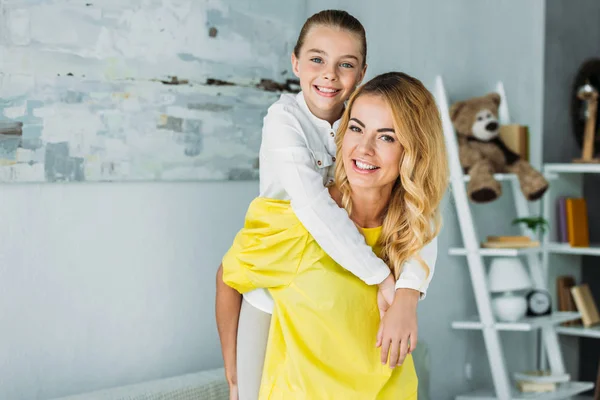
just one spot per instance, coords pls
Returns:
(387, 138)
(317, 60)
(347, 65)
(354, 128)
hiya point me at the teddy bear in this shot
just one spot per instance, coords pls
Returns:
(482, 153)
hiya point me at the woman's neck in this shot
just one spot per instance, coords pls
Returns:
(369, 206)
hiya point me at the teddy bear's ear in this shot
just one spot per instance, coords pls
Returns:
(455, 108)
(495, 98)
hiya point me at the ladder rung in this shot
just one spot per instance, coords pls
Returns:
(525, 324)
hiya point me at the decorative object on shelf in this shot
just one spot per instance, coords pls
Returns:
(582, 295)
(564, 284)
(482, 153)
(537, 225)
(509, 242)
(539, 303)
(516, 138)
(584, 98)
(589, 94)
(507, 275)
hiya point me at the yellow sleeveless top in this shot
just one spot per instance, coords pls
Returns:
(325, 321)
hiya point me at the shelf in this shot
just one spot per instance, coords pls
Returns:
(563, 391)
(498, 177)
(572, 168)
(461, 251)
(524, 325)
(565, 248)
(592, 331)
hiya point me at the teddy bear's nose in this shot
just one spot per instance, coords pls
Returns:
(492, 126)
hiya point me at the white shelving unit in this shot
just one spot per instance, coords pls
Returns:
(566, 180)
(485, 322)
(564, 391)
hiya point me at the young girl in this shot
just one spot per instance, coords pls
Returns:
(324, 318)
(297, 156)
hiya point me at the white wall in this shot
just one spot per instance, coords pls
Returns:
(108, 284)
(472, 44)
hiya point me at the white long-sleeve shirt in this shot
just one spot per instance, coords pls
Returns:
(297, 156)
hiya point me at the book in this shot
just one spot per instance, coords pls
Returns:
(577, 222)
(535, 387)
(516, 138)
(582, 295)
(562, 220)
(541, 377)
(565, 298)
(509, 242)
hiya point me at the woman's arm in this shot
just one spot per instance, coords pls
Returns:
(398, 332)
(227, 309)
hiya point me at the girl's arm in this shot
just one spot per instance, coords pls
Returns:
(227, 310)
(284, 151)
(413, 275)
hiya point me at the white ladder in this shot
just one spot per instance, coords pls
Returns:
(503, 388)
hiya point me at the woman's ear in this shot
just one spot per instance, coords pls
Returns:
(295, 65)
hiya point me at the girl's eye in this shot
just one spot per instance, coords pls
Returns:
(354, 128)
(387, 138)
(347, 65)
(317, 60)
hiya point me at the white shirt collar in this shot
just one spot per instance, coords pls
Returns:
(317, 121)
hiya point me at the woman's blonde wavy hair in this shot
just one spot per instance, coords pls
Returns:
(413, 217)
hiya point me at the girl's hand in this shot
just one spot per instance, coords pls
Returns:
(397, 334)
(385, 294)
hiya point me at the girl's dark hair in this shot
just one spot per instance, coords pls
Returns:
(335, 19)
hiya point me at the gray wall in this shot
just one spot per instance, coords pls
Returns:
(471, 45)
(110, 284)
(572, 37)
(113, 283)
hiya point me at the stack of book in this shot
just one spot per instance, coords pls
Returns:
(564, 284)
(508, 242)
(573, 222)
(539, 381)
(578, 298)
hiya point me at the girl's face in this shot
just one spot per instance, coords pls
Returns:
(330, 66)
(370, 148)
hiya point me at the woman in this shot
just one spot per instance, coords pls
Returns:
(390, 177)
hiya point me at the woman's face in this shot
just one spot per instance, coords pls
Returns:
(370, 148)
